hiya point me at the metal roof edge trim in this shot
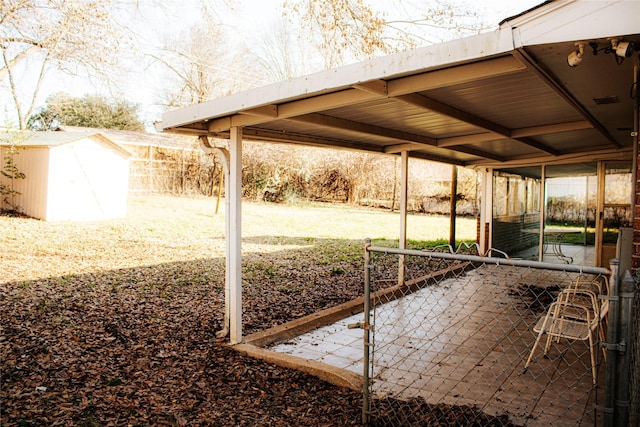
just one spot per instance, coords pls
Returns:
(578, 20)
(514, 18)
(114, 144)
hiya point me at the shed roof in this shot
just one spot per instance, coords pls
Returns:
(127, 137)
(505, 98)
(54, 139)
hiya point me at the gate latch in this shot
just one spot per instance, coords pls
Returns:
(621, 347)
(359, 325)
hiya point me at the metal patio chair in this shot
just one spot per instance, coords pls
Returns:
(577, 314)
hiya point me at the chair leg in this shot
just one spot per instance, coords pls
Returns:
(593, 357)
(547, 345)
(533, 350)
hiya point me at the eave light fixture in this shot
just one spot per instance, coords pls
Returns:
(575, 56)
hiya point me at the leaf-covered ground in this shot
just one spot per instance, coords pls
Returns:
(114, 323)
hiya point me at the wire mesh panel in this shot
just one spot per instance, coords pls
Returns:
(456, 342)
(634, 378)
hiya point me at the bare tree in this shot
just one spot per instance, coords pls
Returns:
(281, 56)
(191, 63)
(201, 63)
(346, 30)
(342, 27)
(71, 36)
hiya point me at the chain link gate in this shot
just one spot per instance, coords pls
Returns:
(634, 354)
(449, 345)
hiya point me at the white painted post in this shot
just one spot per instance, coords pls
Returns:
(543, 210)
(452, 206)
(235, 239)
(404, 197)
(486, 209)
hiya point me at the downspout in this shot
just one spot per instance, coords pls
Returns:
(224, 154)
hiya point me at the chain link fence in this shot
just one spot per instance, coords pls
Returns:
(448, 344)
(634, 353)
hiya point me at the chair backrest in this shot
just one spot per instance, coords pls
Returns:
(592, 284)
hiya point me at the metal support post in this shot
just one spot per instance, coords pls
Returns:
(366, 404)
(235, 239)
(623, 395)
(452, 206)
(404, 197)
(610, 345)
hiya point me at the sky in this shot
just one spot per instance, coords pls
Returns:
(246, 23)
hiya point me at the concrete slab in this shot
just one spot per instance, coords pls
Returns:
(462, 342)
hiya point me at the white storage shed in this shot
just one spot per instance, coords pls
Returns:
(69, 176)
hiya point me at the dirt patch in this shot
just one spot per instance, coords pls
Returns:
(535, 298)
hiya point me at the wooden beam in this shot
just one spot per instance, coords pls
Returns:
(378, 87)
(454, 75)
(435, 158)
(538, 146)
(400, 148)
(415, 142)
(478, 153)
(449, 111)
(191, 129)
(614, 154)
(350, 125)
(517, 134)
(290, 109)
(557, 128)
(475, 138)
(258, 134)
(265, 111)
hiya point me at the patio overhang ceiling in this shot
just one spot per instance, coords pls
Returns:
(506, 98)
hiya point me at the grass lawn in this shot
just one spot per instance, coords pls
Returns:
(161, 229)
(184, 216)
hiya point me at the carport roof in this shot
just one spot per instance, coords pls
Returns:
(505, 98)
